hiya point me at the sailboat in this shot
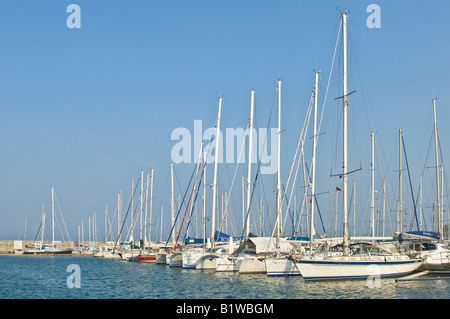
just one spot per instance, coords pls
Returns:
(251, 255)
(282, 264)
(40, 247)
(350, 263)
(430, 246)
(207, 260)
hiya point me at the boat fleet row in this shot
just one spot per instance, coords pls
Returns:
(323, 261)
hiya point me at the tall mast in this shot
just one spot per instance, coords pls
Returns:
(42, 224)
(151, 209)
(146, 208)
(372, 192)
(400, 203)
(354, 208)
(216, 159)
(132, 209)
(279, 168)
(438, 200)
(344, 163)
(141, 205)
(204, 202)
(53, 219)
(384, 205)
(118, 216)
(249, 172)
(172, 205)
(420, 206)
(106, 222)
(316, 88)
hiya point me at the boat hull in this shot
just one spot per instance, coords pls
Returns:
(355, 268)
(251, 265)
(206, 262)
(146, 258)
(161, 258)
(175, 260)
(281, 266)
(225, 264)
(190, 259)
(48, 252)
(436, 260)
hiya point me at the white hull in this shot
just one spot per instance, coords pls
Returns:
(225, 264)
(206, 262)
(356, 267)
(436, 260)
(111, 255)
(251, 265)
(281, 266)
(190, 259)
(128, 254)
(161, 258)
(175, 259)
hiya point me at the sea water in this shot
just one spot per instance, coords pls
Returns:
(87, 277)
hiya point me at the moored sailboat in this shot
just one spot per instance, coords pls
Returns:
(43, 249)
(349, 264)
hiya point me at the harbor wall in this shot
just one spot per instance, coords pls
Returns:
(9, 246)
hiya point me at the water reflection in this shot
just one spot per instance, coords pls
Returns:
(45, 277)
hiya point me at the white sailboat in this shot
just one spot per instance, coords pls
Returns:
(430, 246)
(283, 265)
(349, 265)
(249, 263)
(54, 248)
(208, 258)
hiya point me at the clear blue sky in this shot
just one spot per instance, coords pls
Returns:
(85, 110)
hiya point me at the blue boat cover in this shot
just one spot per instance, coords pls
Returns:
(428, 234)
(221, 237)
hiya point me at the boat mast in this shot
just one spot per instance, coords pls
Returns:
(118, 216)
(172, 205)
(312, 231)
(420, 205)
(216, 159)
(344, 164)
(132, 210)
(372, 192)
(249, 172)
(106, 222)
(53, 219)
(141, 205)
(438, 200)
(146, 208)
(400, 203)
(42, 223)
(204, 202)
(151, 209)
(278, 221)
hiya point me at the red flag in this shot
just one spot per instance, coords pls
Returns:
(338, 189)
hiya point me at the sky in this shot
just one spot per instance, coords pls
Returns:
(86, 109)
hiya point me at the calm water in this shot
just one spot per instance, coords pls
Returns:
(46, 278)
